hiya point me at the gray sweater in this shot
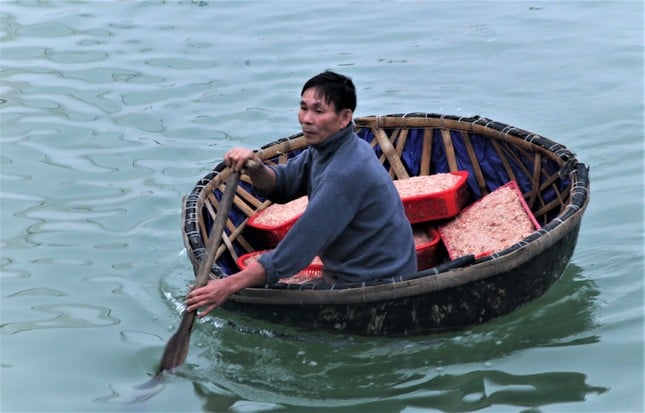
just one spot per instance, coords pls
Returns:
(354, 220)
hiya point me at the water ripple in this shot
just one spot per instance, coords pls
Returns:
(65, 316)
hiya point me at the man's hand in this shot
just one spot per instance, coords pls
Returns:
(239, 158)
(210, 296)
(215, 292)
(262, 177)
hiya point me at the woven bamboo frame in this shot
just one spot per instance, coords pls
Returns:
(557, 216)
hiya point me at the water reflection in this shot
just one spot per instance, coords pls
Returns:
(467, 392)
(257, 361)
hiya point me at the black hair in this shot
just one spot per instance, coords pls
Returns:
(335, 88)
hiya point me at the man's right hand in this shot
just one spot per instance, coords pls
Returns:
(262, 177)
(240, 158)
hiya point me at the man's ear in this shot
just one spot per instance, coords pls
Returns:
(346, 117)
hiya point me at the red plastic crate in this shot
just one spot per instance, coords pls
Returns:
(271, 234)
(473, 240)
(428, 252)
(313, 270)
(438, 205)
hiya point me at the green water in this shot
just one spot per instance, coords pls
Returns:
(111, 111)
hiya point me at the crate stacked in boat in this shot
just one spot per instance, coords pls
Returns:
(492, 223)
(437, 207)
(312, 271)
(425, 199)
(433, 197)
(428, 199)
(273, 222)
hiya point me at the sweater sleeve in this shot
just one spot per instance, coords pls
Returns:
(320, 224)
(291, 179)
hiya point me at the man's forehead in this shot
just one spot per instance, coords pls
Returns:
(314, 95)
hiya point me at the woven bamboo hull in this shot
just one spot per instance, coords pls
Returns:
(452, 295)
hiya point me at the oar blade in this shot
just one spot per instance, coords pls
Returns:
(177, 347)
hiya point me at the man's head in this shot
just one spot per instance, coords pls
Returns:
(327, 104)
(334, 88)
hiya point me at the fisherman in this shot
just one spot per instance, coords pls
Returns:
(354, 219)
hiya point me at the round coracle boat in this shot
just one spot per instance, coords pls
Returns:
(457, 287)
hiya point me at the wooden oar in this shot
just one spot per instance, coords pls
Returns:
(177, 348)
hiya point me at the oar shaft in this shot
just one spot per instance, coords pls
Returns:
(177, 348)
(215, 236)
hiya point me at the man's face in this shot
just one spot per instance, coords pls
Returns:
(319, 119)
